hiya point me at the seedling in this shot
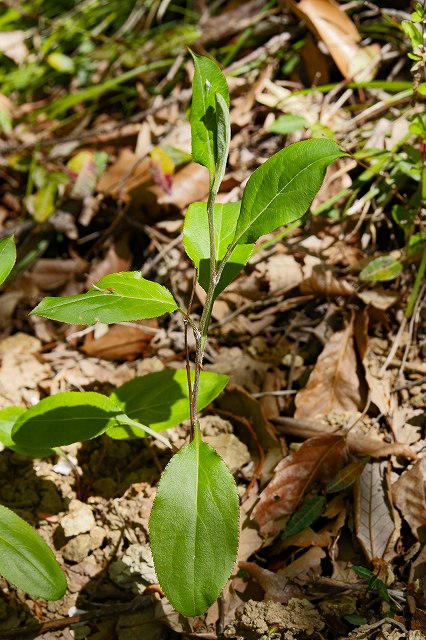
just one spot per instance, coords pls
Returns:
(25, 559)
(194, 523)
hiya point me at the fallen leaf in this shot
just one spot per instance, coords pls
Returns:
(334, 384)
(281, 272)
(340, 35)
(12, 45)
(379, 386)
(379, 298)
(317, 459)
(374, 524)
(323, 282)
(51, 273)
(410, 497)
(121, 342)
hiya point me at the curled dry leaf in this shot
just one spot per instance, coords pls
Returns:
(340, 35)
(410, 497)
(379, 387)
(374, 524)
(318, 459)
(334, 384)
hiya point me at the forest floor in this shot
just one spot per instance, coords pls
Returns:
(323, 334)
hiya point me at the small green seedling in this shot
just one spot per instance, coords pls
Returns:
(25, 559)
(194, 524)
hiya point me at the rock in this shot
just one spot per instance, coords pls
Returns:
(97, 536)
(78, 548)
(298, 619)
(135, 569)
(232, 450)
(80, 519)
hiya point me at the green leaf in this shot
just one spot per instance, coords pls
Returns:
(304, 516)
(42, 204)
(208, 81)
(346, 477)
(26, 561)
(223, 139)
(65, 418)
(416, 243)
(7, 257)
(60, 62)
(288, 124)
(197, 242)
(411, 31)
(8, 418)
(194, 528)
(282, 189)
(381, 269)
(160, 400)
(119, 297)
(355, 619)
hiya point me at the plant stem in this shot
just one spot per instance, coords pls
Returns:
(200, 334)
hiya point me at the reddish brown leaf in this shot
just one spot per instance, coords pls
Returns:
(324, 283)
(374, 524)
(333, 384)
(318, 459)
(121, 342)
(409, 494)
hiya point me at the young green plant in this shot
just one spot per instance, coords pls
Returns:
(194, 524)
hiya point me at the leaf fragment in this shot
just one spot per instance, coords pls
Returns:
(7, 257)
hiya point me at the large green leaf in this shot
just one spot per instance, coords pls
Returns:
(197, 241)
(208, 81)
(65, 418)
(7, 257)
(119, 297)
(160, 400)
(25, 559)
(8, 418)
(223, 140)
(194, 528)
(282, 189)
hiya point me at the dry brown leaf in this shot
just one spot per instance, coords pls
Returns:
(121, 342)
(379, 387)
(317, 459)
(323, 282)
(12, 45)
(410, 497)
(334, 384)
(379, 298)
(374, 524)
(357, 442)
(282, 273)
(49, 274)
(340, 35)
(126, 174)
(117, 258)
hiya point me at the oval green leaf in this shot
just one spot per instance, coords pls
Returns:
(160, 400)
(7, 257)
(288, 124)
(197, 241)
(25, 559)
(381, 269)
(282, 189)
(119, 297)
(65, 418)
(8, 418)
(194, 528)
(304, 516)
(208, 81)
